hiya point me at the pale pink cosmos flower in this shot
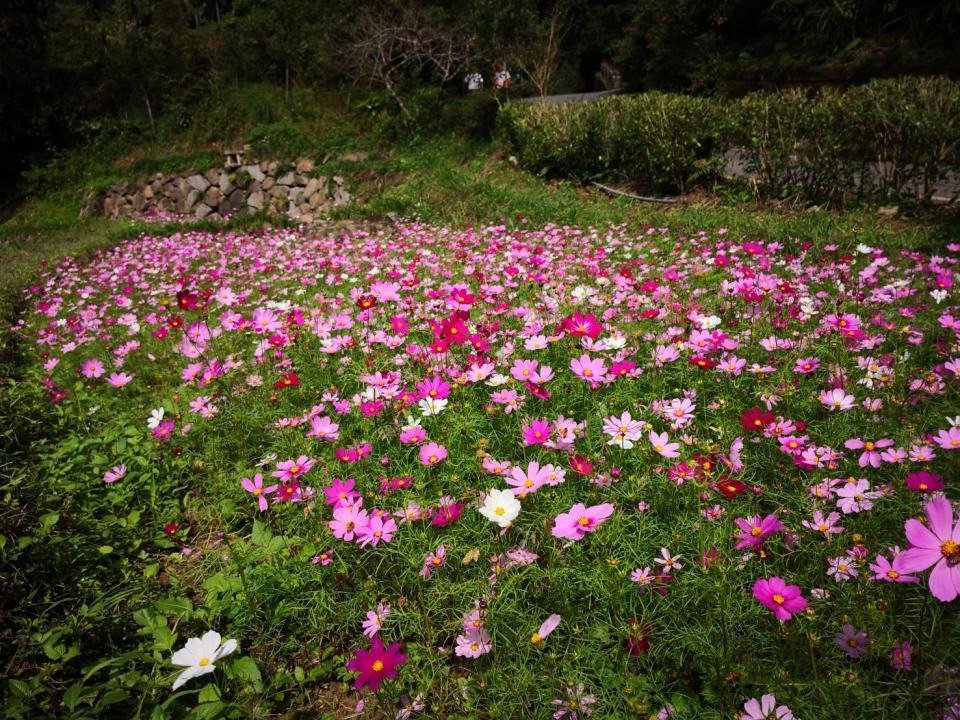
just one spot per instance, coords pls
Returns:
(375, 618)
(473, 644)
(870, 455)
(836, 399)
(528, 481)
(92, 368)
(765, 708)
(547, 627)
(661, 443)
(119, 379)
(116, 473)
(668, 561)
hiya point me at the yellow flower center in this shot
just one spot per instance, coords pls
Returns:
(535, 638)
(868, 446)
(950, 549)
(756, 532)
(433, 458)
(377, 666)
(499, 511)
(893, 574)
(588, 372)
(294, 469)
(204, 662)
(779, 599)
(583, 521)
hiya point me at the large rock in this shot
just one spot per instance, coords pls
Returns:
(190, 200)
(255, 200)
(289, 178)
(198, 182)
(202, 210)
(268, 184)
(255, 172)
(305, 165)
(236, 200)
(213, 196)
(312, 186)
(225, 183)
(212, 175)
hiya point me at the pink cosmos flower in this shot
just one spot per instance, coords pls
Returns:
(886, 571)
(473, 644)
(92, 368)
(548, 626)
(413, 436)
(255, 487)
(111, 476)
(288, 470)
(765, 709)
(323, 428)
(869, 456)
(119, 379)
(433, 561)
(432, 453)
(378, 529)
(661, 443)
(783, 599)
(587, 368)
(580, 520)
(827, 525)
(948, 439)
(323, 558)
(900, 656)
(348, 521)
(935, 544)
(524, 482)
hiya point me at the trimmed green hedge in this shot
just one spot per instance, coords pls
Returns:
(887, 140)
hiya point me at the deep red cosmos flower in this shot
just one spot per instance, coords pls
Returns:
(730, 488)
(287, 380)
(756, 419)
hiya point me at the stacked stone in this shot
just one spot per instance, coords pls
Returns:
(221, 192)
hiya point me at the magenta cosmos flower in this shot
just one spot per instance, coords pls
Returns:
(753, 531)
(580, 520)
(936, 544)
(376, 664)
(783, 599)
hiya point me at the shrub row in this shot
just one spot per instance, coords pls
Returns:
(886, 140)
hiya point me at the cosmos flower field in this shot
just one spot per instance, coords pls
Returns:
(509, 472)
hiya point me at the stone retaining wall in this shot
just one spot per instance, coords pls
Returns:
(295, 190)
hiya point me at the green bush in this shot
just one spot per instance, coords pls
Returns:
(886, 140)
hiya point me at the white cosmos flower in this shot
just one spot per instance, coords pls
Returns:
(432, 406)
(156, 416)
(199, 655)
(709, 322)
(497, 379)
(501, 507)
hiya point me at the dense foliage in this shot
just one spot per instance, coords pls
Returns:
(888, 139)
(547, 471)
